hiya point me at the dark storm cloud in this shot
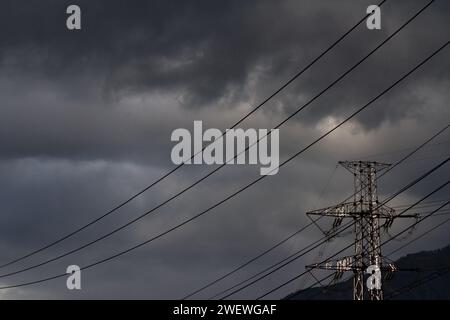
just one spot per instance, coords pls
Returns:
(203, 54)
(86, 119)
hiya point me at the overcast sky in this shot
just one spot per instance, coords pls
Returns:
(86, 118)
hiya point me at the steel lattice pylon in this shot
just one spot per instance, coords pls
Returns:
(367, 231)
(366, 212)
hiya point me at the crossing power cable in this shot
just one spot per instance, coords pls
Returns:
(132, 248)
(440, 272)
(273, 247)
(435, 275)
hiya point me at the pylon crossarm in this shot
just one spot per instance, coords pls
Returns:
(343, 264)
(340, 210)
(350, 210)
(390, 221)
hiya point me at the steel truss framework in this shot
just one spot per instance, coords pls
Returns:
(366, 212)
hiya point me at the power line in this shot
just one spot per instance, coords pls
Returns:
(337, 80)
(248, 262)
(434, 275)
(164, 176)
(258, 179)
(443, 213)
(399, 150)
(423, 234)
(273, 247)
(440, 273)
(426, 204)
(324, 247)
(292, 257)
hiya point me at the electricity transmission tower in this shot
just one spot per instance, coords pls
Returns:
(366, 212)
